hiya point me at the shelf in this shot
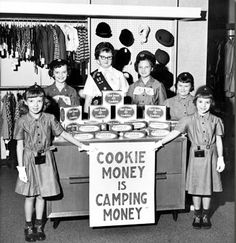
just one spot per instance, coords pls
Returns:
(98, 10)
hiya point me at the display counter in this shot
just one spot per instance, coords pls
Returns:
(73, 169)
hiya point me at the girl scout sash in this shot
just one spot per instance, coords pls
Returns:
(101, 83)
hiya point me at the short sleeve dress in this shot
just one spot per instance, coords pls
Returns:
(67, 92)
(37, 136)
(151, 93)
(56, 99)
(180, 107)
(202, 177)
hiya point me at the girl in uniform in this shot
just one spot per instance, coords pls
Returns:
(182, 104)
(113, 79)
(60, 94)
(206, 161)
(146, 90)
(38, 177)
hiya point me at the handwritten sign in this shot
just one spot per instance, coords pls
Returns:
(121, 184)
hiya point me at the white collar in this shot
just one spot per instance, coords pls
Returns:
(101, 69)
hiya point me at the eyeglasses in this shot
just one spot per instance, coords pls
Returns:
(106, 58)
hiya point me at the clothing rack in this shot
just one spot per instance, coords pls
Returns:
(9, 88)
(16, 20)
(32, 22)
(42, 18)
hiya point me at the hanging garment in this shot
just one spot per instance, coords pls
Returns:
(4, 125)
(9, 104)
(62, 42)
(229, 69)
(82, 52)
(43, 43)
(71, 37)
(50, 44)
(56, 54)
(21, 108)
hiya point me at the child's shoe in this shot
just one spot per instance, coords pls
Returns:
(206, 223)
(29, 233)
(197, 222)
(39, 234)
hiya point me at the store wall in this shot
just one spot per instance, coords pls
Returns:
(188, 54)
(118, 25)
(192, 44)
(232, 6)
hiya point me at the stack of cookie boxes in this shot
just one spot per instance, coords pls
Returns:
(155, 115)
(114, 119)
(70, 118)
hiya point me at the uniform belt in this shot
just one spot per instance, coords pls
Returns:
(41, 151)
(202, 147)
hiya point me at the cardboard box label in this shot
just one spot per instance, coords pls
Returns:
(113, 97)
(68, 114)
(159, 125)
(106, 135)
(72, 127)
(84, 136)
(99, 113)
(89, 128)
(121, 127)
(155, 112)
(158, 133)
(126, 112)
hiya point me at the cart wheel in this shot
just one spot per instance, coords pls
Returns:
(175, 215)
(56, 222)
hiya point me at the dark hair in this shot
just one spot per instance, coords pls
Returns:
(57, 64)
(34, 91)
(103, 46)
(185, 77)
(144, 55)
(204, 92)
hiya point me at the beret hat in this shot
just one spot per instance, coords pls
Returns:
(204, 91)
(143, 55)
(162, 57)
(164, 37)
(126, 37)
(57, 62)
(103, 30)
(146, 55)
(185, 76)
(123, 56)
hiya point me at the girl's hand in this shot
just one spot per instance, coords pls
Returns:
(22, 173)
(220, 166)
(158, 145)
(83, 147)
(87, 149)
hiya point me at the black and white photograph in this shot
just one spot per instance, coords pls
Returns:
(117, 121)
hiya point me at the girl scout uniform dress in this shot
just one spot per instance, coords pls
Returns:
(202, 177)
(37, 136)
(180, 107)
(66, 97)
(153, 93)
(56, 99)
